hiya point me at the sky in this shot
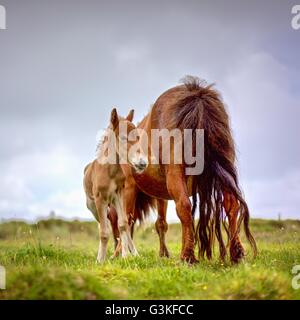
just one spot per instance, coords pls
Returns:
(64, 65)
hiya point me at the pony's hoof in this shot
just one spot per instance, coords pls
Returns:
(164, 253)
(190, 259)
(237, 254)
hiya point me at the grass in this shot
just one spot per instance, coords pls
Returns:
(55, 259)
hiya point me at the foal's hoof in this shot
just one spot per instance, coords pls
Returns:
(114, 256)
(116, 253)
(125, 253)
(135, 253)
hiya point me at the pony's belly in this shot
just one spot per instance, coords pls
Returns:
(151, 188)
(153, 183)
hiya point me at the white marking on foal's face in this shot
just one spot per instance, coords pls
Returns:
(139, 164)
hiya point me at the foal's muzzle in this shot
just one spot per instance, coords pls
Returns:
(140, 166)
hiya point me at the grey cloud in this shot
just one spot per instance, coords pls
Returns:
(64, 64)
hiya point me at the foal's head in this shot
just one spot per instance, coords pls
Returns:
(127, 141)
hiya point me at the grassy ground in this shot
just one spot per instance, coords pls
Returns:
(55, 259)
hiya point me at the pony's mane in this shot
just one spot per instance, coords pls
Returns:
(194, 83)
(146, 116)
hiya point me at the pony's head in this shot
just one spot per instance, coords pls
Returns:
(126, 147)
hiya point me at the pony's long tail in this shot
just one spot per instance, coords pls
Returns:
(202, 108)
(143, 206)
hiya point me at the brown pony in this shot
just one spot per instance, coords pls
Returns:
(194, 105)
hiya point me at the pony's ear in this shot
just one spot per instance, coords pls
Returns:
(130, 115)
(114, 119)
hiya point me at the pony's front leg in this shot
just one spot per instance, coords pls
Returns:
(177, 189)
(103, 229)
(130, 195)
(126, 240)
(161, 226)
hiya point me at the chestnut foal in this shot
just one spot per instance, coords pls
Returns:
(104, 187)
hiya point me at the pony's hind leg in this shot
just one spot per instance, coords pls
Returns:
(231, 207)
(178, 191)
(161, 226)
(103, 229)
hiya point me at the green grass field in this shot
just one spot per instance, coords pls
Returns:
(55, 259)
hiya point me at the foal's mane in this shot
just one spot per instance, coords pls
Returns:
(101, 144)
(100, 147)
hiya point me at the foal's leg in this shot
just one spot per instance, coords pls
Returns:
(231, 206)
(177, 189)
(126, 241)
(130, 192)
(103, 229)
(161, 226)
(113, 218)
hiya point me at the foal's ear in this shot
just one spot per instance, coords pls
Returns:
(114, 119)
(130, 115)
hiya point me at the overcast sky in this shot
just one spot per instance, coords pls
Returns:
(65, 64)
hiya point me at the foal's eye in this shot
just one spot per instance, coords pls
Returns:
(123, 138)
